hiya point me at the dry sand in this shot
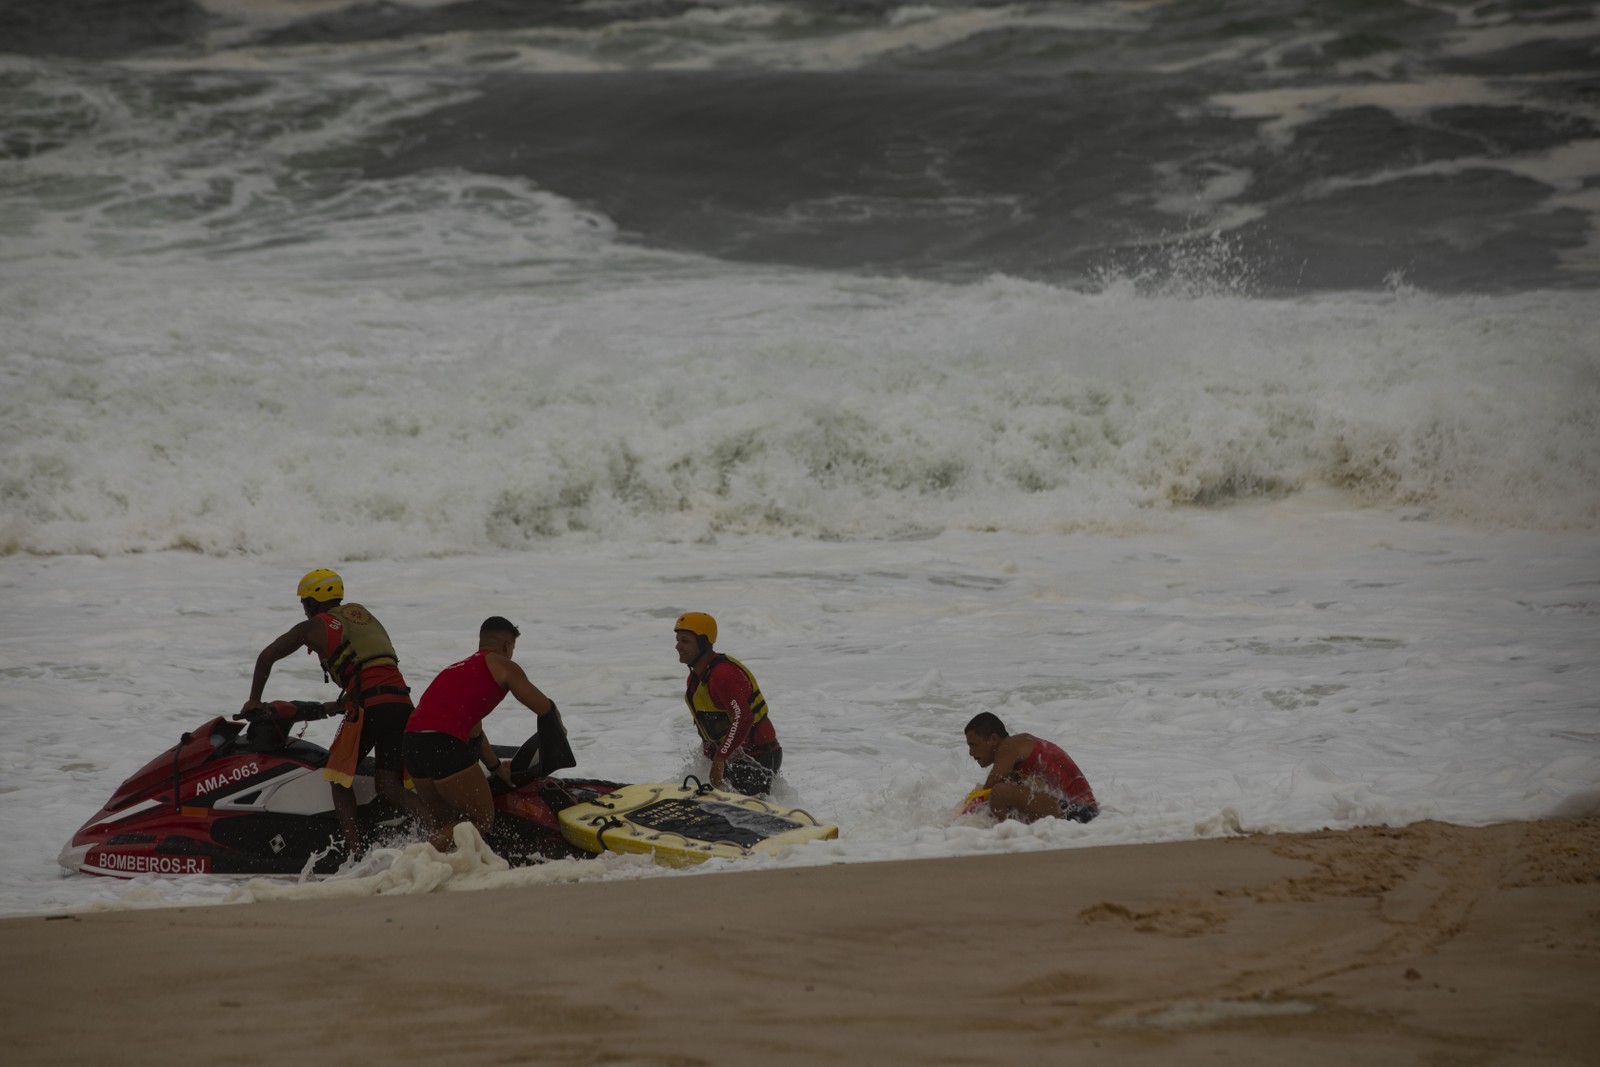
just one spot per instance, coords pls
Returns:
(1428, 945)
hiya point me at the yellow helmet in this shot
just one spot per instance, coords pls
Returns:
(698, 622)
(321, 584)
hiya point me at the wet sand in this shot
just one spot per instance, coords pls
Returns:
(1428, 945)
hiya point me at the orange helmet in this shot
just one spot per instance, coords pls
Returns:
(698, 622)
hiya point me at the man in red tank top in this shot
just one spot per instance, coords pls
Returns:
(1029, 778)
(444, 739)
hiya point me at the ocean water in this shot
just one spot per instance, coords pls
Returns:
(1213, 389)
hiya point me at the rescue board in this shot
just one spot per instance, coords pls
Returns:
(687, 824)
(977, 800)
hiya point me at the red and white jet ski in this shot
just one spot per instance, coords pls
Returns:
(235, 799)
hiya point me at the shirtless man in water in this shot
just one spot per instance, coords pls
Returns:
(1029, 778)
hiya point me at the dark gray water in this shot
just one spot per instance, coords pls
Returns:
(1279, 146)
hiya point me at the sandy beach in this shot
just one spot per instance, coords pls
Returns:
(1431, 944)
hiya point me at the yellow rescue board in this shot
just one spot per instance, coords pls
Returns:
(687, 824)
(977, 800)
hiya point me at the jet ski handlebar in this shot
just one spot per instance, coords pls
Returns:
(270, 723)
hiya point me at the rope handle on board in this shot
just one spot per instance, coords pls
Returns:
(702, 789)
(610, 823)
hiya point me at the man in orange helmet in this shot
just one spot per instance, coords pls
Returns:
(374, 699)
(736, 733)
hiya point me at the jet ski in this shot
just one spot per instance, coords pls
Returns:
(247, 798)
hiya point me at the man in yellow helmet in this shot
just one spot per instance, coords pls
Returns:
(736, 733)
(374, 699)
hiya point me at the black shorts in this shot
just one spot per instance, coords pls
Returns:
(751, 773)
(432, 755)
(382, 731)
(1078, 812)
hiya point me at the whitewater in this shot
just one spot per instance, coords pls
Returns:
(1261, 554)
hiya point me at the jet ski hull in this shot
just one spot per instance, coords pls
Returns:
(226, 800)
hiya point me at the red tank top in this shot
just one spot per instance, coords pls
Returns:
(458, 699)
(1049, 763)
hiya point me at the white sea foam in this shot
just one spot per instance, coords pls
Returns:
(1486, 32)
(1570, 170)
(704, 36)
(187, 408)
(1288, 108)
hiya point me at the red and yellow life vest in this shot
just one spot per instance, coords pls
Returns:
(711, 721)
(356, 641)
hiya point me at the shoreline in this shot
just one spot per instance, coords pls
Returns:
(1424, 943)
